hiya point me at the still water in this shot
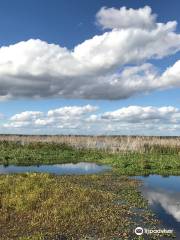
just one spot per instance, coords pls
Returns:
(59, 169)
(163, 195)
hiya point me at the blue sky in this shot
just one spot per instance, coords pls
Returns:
(68, 24)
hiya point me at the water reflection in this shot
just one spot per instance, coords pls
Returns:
(59, 169)
(169, 202)
(163, 195)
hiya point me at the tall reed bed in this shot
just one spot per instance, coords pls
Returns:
(113, 144)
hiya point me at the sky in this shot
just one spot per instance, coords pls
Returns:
(90, 67)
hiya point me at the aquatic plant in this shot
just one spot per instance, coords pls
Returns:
(42, 206)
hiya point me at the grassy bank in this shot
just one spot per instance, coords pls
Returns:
(42, 206)
(156, 159)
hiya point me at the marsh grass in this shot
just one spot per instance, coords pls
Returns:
(42, 206)
(155, 159)
(106, 143)
(44, 153)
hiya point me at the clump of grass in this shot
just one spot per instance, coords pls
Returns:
(136, 163)
(44, 153)
(42, 206)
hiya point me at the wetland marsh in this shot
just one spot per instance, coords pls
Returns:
(94, 204)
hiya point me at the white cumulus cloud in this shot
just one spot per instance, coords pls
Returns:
(90, 119)
(109, 18)
(97, 68)
(138, 114)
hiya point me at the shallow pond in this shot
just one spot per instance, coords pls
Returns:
(163, 195)
(58, 169)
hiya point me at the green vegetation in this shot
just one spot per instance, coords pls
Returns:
(43, 206)
(106, 206)
(44, 153)
(134, 163)
(153, 160)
